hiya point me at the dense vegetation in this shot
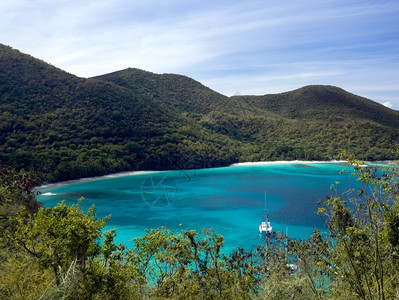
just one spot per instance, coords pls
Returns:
(59, 126)
(314, 122)
(62, 253)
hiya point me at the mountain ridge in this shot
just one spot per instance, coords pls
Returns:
(76, 127)
(272, 103)
(301, 102)
(156, 86)
(60, 126)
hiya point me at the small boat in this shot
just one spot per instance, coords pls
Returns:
(265, 225)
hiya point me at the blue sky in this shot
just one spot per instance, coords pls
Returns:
(251, 47)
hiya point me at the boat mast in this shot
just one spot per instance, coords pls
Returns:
(266, 217)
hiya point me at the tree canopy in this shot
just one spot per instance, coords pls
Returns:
(59, 126)
(63, 253)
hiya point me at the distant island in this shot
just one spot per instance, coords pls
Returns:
(59, 126)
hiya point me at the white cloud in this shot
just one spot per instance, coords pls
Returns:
(253, 46)
(388, 104)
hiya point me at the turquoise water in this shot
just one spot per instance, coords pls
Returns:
(230, 200)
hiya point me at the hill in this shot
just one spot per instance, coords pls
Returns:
(60, 126)
(176, 92)
(184, 94)
(318, 102)
(313, 122)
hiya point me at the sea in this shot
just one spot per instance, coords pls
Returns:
(232, 201)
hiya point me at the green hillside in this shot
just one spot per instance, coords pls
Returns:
(313, 122)
(176, 92)
(321, 102)
(60, 126)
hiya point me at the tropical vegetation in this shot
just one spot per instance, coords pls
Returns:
(59, 126)
(63, 253)
(56, 126)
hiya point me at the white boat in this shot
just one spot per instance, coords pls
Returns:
(265, 225)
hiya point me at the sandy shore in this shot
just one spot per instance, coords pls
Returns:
(281, 162)
(132, 173)
(120, 174)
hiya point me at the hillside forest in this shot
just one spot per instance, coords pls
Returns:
(59, 126)
(56, 126)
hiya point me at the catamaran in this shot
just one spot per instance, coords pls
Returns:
(265, 225)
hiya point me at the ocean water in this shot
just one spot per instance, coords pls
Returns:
(229, 200)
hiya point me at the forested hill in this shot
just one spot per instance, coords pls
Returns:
(60, 126)
(176, 92)
(317, 101)
(184, 94)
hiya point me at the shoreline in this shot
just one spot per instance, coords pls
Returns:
(134, 173)
(86, 179)
(285, 162)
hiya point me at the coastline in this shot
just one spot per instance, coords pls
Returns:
(257, 163)
(284, 162)
(86, 179)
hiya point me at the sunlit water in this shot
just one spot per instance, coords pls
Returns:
(230, 200)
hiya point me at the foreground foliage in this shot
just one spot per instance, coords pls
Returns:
(364, 244)
(61, 252)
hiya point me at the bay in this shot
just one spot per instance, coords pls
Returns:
(229, 200)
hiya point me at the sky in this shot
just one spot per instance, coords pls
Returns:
(242, 47)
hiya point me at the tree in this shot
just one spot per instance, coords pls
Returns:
(189, 265)
(363, 235)
(358, 258)
(20, 275)
(16, 192)
(61, 238)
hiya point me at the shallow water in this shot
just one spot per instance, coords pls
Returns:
(230, 200)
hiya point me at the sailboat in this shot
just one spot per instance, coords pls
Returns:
(265, 225)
